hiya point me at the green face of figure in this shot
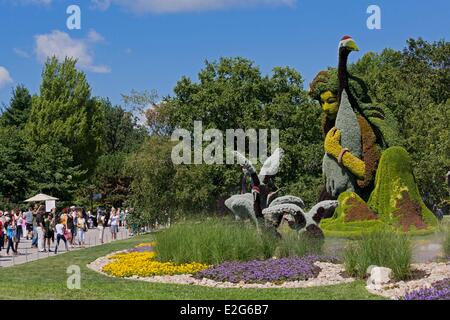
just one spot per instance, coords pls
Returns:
(329, 103)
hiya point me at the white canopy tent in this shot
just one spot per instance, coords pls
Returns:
(50, 202)
(41, 197)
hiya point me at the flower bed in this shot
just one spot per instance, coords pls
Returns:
(263, 271)
(440, 290)
(140, 261)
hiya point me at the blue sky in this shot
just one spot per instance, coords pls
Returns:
(150, 44)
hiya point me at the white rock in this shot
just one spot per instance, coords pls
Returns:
(379, 276)
(369, 268)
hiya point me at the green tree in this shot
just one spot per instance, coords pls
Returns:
(15, 160)
(232, 94)
(414, 84)
(14, 155)
(121, 130)
(152, 191)
(64, 112)
(53, 171)
(18, 111)
(122, 135)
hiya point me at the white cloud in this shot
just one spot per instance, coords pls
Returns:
(21, 53)
(5, 77)
(61, 45)
(95, 37)
(36, 2)
(171, 6)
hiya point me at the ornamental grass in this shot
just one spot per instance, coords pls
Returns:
(213, 241)
(382, 248)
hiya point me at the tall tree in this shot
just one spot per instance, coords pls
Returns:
(14, 156)
(64, 112)
(414, 84)
(18, 111)
(53, 171)
(122, 132)
(15, 160)
(122, 135)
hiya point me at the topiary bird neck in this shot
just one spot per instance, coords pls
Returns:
(342, 71)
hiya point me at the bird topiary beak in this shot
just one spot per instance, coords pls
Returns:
(351, 45)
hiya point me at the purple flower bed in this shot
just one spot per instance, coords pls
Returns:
(440, 291)
(262, 271)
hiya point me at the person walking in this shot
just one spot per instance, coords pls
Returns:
(11, 234)
(114, 224)
(24, 225)
(29, 223)
(19, 221)
(49, 232)
(81, 228)
(17, 218)
(60, 230)
(40, 228)
(70, 227)
(34, 241)
(73, 224)
(100, 225)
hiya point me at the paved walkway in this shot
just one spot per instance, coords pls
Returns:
(27, 253)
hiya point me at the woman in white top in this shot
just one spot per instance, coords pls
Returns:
(60, 229)
(81, 228)
(114, 223)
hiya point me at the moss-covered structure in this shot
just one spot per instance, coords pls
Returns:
(385, 194)
(396, 195)
(394, 203)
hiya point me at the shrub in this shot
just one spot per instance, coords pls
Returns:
(382, 248)
(213, 241)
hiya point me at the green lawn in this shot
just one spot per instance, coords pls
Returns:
(46, 279)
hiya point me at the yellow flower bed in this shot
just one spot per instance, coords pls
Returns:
(142, 264)
(149, 244)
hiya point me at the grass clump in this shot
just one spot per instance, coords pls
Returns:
(294, 244)
(382, 248)
(213, 241)
(446, 243)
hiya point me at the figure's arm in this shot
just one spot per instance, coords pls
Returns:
(334, 149)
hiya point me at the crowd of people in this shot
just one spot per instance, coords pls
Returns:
(47, 229)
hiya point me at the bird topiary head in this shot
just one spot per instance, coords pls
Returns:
(347, 43)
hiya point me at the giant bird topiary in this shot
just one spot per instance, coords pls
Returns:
(365, 170)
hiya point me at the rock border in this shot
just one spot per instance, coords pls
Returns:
(330, 274)
(435, 271)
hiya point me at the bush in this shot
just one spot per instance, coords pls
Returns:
(382, 248)
(298, 245)
(213, 241)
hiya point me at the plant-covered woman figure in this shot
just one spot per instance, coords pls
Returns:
(383, 172)
(378, 129)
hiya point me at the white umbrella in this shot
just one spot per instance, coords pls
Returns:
(41, 197)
